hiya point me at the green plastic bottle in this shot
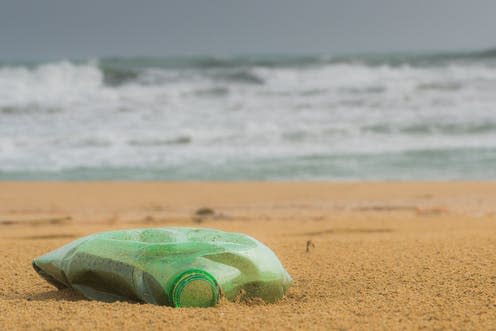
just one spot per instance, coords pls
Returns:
(180, 267)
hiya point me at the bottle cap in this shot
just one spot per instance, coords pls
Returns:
(195, 288)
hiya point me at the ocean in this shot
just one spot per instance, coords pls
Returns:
(355, 117)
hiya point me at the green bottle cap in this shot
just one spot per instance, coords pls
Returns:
(195, 288)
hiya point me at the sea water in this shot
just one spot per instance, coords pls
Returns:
(376, 116)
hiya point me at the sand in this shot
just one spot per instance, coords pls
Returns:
(362, 255)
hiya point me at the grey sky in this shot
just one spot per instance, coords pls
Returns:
(91, 28)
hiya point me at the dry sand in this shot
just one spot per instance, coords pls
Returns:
(381, 255)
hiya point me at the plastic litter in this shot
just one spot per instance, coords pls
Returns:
(180, 267)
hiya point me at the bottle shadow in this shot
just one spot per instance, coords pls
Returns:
(57, 295)
(65, 294)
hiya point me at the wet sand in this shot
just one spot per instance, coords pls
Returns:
(362, 255)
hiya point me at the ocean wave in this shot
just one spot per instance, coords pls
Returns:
(373, 89)
(440, 86)
(47, 87)
(118, 76)
(28, 109)
(293, 61)
(455, 129)
(178, 116)
(115, 72)
(182, 140)
(215, 91)
(239, 76)
(213, 62)
(425, 59)
(288, 61)
(63, 86)
(116, 67)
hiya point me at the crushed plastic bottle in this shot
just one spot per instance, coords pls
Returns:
(180, 267)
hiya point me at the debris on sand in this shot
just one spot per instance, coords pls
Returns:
(204, 213)
(178, 267)
(310, 244)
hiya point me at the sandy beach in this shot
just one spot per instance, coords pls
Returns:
(373, 255)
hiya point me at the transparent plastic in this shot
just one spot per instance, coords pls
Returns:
(180, 267)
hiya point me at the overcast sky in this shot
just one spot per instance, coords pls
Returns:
(52, 29)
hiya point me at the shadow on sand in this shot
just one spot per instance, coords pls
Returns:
(58, 295)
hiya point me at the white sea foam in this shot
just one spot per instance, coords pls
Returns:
(245, 121)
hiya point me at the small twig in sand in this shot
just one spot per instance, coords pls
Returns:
(310, 244)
